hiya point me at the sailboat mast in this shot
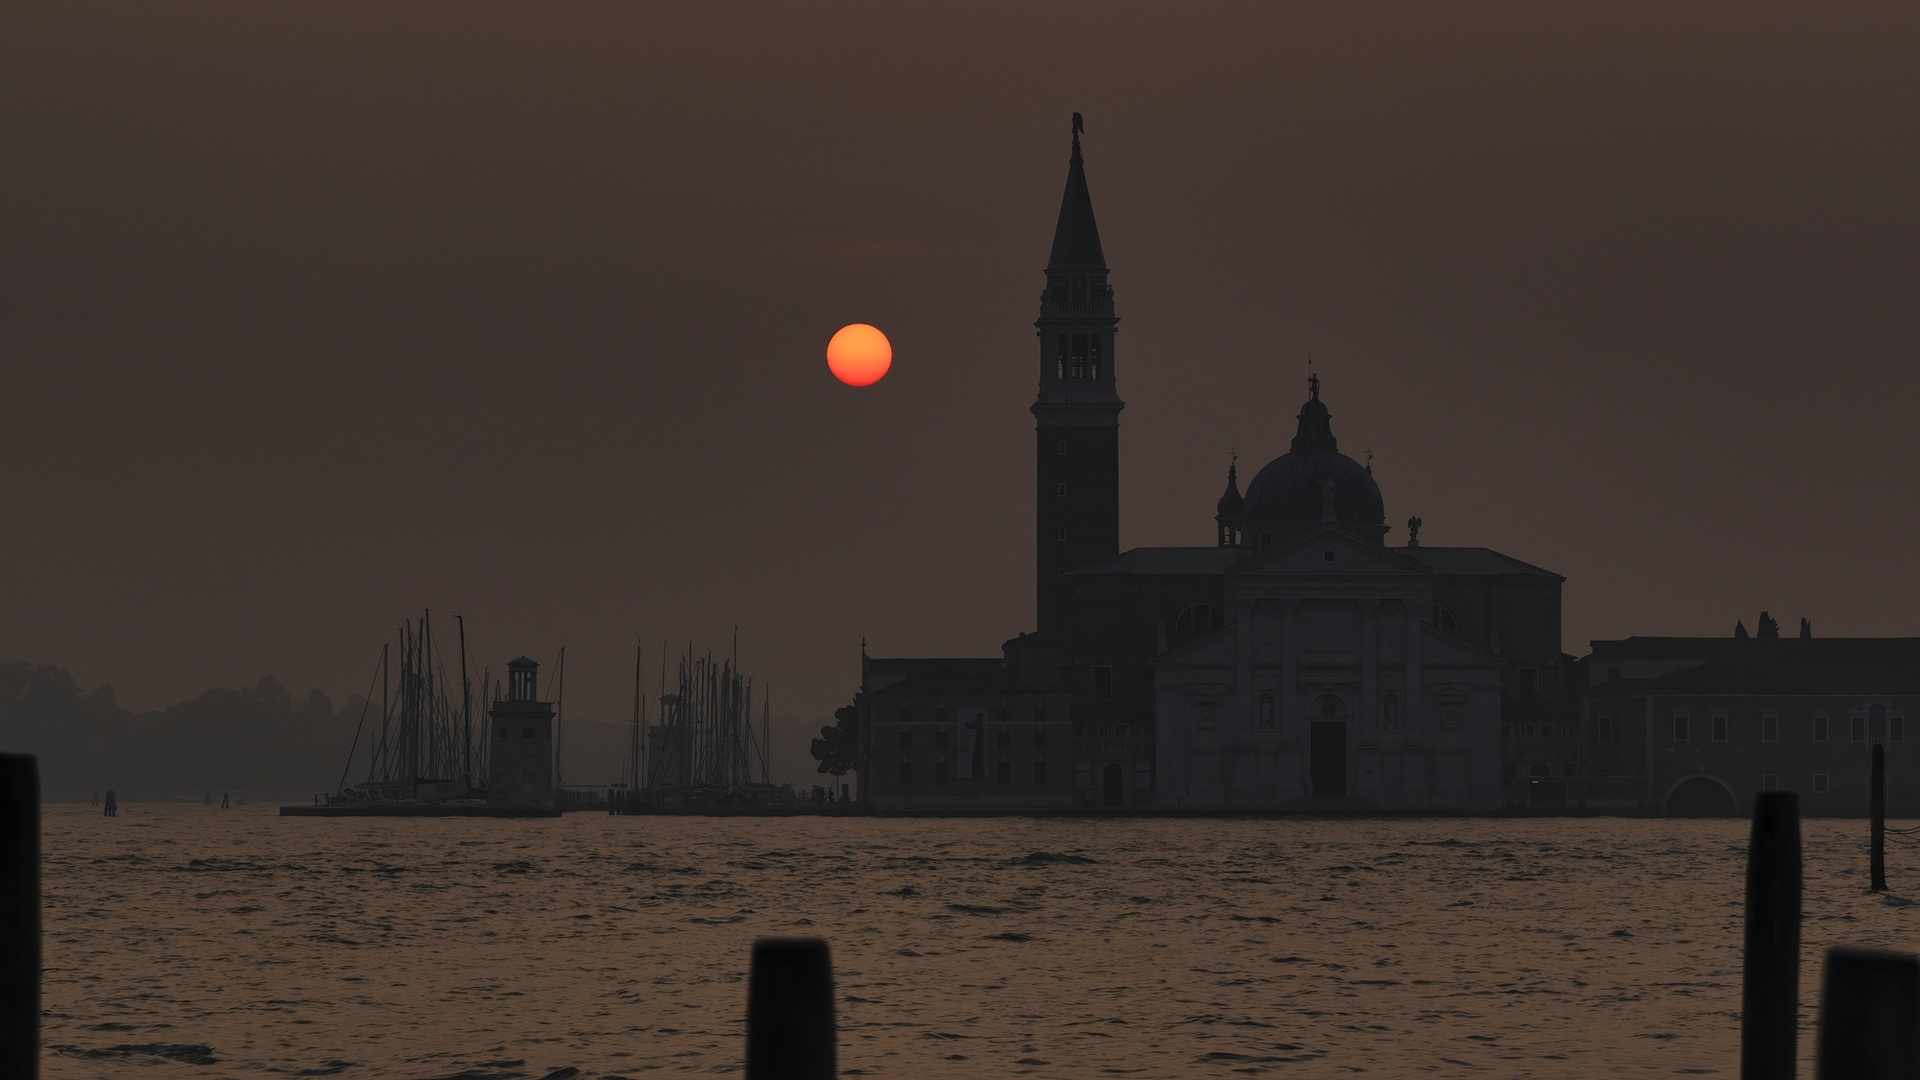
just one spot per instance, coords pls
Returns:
(560, 718)
(466, 704)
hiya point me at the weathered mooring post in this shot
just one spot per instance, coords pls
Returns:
(1770, 995)
(1870, 1016)
(19, 916)
(1877, 814)
(790, 1029)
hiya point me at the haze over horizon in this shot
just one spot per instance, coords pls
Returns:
(325, 315)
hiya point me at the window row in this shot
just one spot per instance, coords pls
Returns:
(1098, 731)
(1002, 714)
(1002, 739)
(1002, 772)
(1871, 725)
(1079, 356)
(525, 733)
(1532, 731)
(1771, 782)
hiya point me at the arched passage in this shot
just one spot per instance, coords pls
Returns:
(1701, 795)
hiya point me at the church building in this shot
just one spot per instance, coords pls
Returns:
(1297, 661)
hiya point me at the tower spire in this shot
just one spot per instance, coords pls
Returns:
(1076, 238)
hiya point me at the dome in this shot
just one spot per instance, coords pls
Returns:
(1313, 484)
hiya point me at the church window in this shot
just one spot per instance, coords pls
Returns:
(1680, 727)
(1039, 772)
(1820, 726)
(1390, 712)
(1003, 771)
(906, 740)
(1060, 490)
(1443, 620)
(1769, 728)
(1859, 728)
(1063, 447)
(1877, 723)
(1060, 363)
(1079, 288)
(1205, 720)
(1266, 711)
(1200, 617)
(1094, 354)
(1719, 727)
(1077, 357)
(1060, 533)
(1059, 288)
(1897, 727)
(1040, 734)
(1819, 783)
(1102, 683)
(906, 772)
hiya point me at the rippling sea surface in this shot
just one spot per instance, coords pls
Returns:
(183, 940)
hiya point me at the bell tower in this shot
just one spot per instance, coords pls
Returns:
(1077, 412)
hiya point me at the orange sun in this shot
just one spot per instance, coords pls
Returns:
(859, 355)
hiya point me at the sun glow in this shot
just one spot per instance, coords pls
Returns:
(859, 355)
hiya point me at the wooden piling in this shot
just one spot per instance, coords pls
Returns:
(1877, 813)
(790, 1027)
(1870, 1016)
(1770, 995)
(19, 916)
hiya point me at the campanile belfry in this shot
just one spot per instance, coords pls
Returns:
(1077, 412)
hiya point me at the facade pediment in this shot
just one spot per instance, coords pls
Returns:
(1331, 550)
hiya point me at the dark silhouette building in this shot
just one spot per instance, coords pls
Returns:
(520, 764)
(1296, 660)
(1702, 725)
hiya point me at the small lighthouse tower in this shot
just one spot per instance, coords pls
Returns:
(520, 768)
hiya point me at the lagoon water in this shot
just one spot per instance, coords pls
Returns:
(189, 941)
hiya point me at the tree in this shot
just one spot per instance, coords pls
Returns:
(838, 747)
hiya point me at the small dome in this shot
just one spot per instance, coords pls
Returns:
(1314, 484)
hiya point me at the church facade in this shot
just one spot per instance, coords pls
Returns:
(1296, 661)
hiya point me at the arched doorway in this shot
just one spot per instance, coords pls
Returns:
(1701, 795)
(1113, 790)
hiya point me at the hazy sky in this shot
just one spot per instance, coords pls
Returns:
(313, 315)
